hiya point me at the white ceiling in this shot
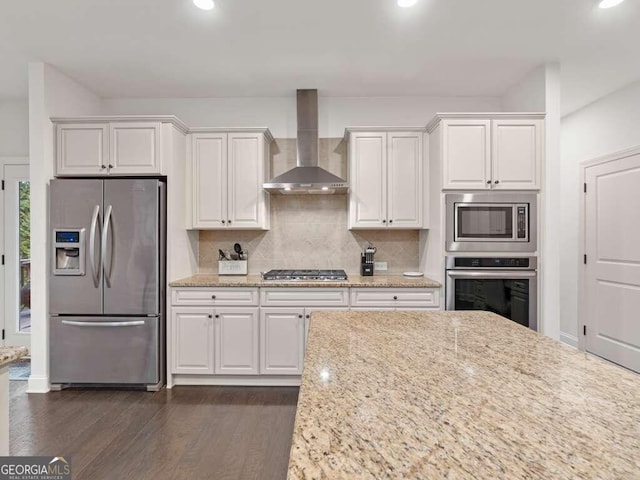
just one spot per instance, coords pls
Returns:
(168, 48)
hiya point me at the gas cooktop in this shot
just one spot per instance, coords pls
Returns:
(305, 275)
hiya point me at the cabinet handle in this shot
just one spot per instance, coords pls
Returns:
(213, 297)
(223, 221)
(384, 221)
(210, 316)
(497, 181)
(308, 316)
(229, 222)
(390, 221)
(110, 166)
(103, 166)
(395, 297)
(217, 316)
(488, 182)
(299, 316)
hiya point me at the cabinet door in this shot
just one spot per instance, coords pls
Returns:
(82, 149)
(236, 341)
(134, 148)
(404, 180)
(245, 179)
(368, 179)
(466, 150)
(209, 180)
(281, 341)
(192, 332)
(517, 154)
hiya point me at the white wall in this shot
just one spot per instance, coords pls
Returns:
(51, 93)
(14, 128)
(529, 95)
(279, 114)
(610, 124)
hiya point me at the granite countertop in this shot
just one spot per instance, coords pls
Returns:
(458, 395)
(377, 281)
(11, 354)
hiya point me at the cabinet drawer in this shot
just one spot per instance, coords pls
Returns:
(219, 297)
(395, 298)
(305, 297)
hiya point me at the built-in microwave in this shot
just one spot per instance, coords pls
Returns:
(491, 222)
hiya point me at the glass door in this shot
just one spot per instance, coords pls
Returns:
(16, 240)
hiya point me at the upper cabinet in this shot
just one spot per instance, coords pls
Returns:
(386, 179)
(99, 146)
(228, 169)
(488, 151)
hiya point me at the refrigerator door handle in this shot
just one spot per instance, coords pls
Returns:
(95, 273)
(103, 255)
(136, 323)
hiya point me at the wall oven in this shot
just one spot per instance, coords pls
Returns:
(491, 222)
(504, 285)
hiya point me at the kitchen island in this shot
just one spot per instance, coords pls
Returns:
(458, 395)
(8, 355)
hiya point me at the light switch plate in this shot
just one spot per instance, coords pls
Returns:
(381, 266)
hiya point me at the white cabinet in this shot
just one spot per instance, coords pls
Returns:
(466, 149)
(386, 179)
(516, 152)
(227, 173)
(134, 148)
(395, 298)
(82, 149)
(281, 341)
(193, 346)
(490, 151)
(236, 341)
(126, 146)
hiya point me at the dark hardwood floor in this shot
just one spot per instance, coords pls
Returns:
(183, 433)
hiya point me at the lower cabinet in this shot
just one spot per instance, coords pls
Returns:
(234, 332)
(215, 340)
(282, 341)
(192, 333)
(236, 341)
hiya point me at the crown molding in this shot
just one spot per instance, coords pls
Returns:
(431, 126)
(175, 121)
(264, 130)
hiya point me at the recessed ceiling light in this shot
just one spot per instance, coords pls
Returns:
(407, 3)
(204, 4)
(609, 3)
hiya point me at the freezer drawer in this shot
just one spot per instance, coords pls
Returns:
(105, 350)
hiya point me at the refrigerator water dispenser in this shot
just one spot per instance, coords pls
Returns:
(68, 252)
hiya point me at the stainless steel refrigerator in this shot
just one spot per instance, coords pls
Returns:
(107, 282)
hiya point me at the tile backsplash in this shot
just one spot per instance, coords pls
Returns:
(310, 231)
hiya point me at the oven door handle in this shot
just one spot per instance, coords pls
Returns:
(507, 274)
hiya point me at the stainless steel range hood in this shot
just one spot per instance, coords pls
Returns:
(307, 177)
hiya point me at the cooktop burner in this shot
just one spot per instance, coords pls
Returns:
(305, 275)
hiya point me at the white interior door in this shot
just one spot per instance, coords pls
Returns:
(612, 272)
(16, 271)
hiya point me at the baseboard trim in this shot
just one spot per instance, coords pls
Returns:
(244, 381)
(569, 339)
(38, 384)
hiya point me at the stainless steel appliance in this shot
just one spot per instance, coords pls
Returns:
(305, 275)
(491, 222)
(107, 281)
(307, 177)
(504, 285)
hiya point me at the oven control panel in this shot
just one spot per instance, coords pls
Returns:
(492, 262)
